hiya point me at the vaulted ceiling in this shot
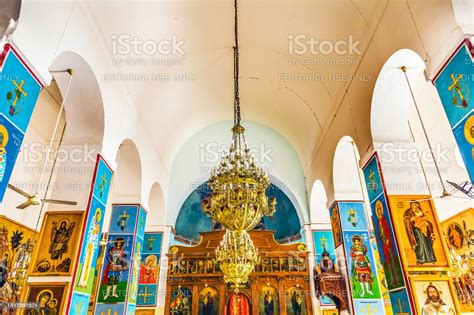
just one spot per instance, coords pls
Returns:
(300, 109)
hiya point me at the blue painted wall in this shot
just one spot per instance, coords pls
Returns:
(191, 220)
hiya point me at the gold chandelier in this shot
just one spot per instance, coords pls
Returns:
(237, 256)
(238, 200)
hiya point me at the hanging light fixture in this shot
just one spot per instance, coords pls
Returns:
(238, 200)
(237, 256)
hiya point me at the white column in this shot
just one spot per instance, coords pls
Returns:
(161, 294)
(311, 264)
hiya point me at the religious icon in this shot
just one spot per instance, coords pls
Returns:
(58, 240)
(469, 132)
(60, 237)
(14, 240)
(361, 269)
(455, 236)
(268, 301)
(48, 298)
(417, 229)
(103, 184)
(181, 303)
(149, 269)
(122, 222)
(390, 261)
(352, 217)
(117, 264)
(373, 184)
(16, 96)
(336, 226)
(92, 243)
(433, 296)
(3, 151)
(434, 304)
(420, 233)
(295, 302)
(208, 302)
(238, 304)
(459, 90)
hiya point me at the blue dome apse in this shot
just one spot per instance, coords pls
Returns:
(192, 220)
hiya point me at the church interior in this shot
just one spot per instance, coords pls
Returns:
(236, 157)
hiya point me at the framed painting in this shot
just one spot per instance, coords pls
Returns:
(336, 224)
(14, 237)
(48, 298)
(208, 301)
(434, 295)
(418, 232)
(181, 301)
(268, 303)
(56, 250)
(296, 301)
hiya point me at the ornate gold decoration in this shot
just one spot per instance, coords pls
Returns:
(237, 256)
(238, 200)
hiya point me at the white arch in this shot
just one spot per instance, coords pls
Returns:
(391, 98)
(127, 184)
(319, 212)
(346, 171)
(156, 206)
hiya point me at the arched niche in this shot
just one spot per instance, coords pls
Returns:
(318, 204)
(399, 138)
(83, 136)
(391, 98)
(127, 181)
(156, 207)
(9, 15)
(76, 143)
(346, 171)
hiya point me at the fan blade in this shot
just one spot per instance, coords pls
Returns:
(60, 202)
(18, 190)
(24, 205)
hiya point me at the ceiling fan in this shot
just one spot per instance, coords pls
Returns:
(35, 200)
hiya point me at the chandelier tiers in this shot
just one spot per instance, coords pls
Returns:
(237, 256)
(238, 200)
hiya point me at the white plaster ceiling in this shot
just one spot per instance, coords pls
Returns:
(300, 111)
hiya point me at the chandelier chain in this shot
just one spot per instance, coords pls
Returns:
(236, 67)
